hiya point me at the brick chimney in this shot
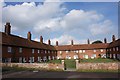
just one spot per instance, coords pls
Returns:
(113, 38)
(8, 28)
(88, 41)
(41, 39)
(56, 43)
(105, 40)
(71, 42)
(49, 42)
(29, 35)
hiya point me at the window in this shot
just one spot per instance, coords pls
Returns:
(9, 49)
(24, 60)
(66, 51)
(110, 49)
(20, 59)
(49, 58)
(20, 50)
(39, 59)
(76, 51)
(33, 51)
(83, 51)
(32, 59)
(80, 51)
(113, 49)
(38, 51)
(85, 56)
(45, 51)
(53, 57)
(117, 48)
(75, 56)
(101, 50)
(60, 52)
(94, 50)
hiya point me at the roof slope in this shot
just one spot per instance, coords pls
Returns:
(82, 46)
(115, 43)
(19, 41)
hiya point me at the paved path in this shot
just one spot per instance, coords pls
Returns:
(65, 74)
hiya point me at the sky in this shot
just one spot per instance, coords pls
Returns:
(62, 21)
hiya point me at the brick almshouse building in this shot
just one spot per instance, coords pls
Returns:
(24, 50)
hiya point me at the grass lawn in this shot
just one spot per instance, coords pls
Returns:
(99, 60)
(70, 63)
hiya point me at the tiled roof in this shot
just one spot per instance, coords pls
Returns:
(82, 46)
(23, 42)
(115, 43)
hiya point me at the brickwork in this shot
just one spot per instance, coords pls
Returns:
(97, 66)
(36, 65)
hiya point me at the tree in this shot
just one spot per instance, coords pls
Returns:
(96, 42)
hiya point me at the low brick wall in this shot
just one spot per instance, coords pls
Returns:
(97, 66)
(36, 65)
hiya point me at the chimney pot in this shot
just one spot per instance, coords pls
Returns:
(7, 28)
(49, 42)
(29, 35)
(71, 42)
(56, 43)
(105, 40)
(88, 41)
(113, 38)
(41, 39)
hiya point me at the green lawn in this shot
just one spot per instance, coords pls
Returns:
(70, 63)
(97, 60)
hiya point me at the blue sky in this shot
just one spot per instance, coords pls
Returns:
(63, 21)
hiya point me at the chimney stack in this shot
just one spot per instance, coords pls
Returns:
(41, 39)
(8, 28)
(56, 43)
(71, 42)
(49, 42)
(105, 40)
(88, 41)
(113, 38)
(29, 35)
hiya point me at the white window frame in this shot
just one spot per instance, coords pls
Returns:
(101, 50)
(83, 51)
(94, 50)
(117, 48)
(60, 52)
(80, 51)
(9, 49)
(38, 51)
(66, 51)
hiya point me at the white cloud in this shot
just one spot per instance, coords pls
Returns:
(50, 17)
(102, 27)
(28, 15)
(65, 39)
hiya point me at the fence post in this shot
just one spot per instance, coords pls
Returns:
(77, 64)
(63, 64)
